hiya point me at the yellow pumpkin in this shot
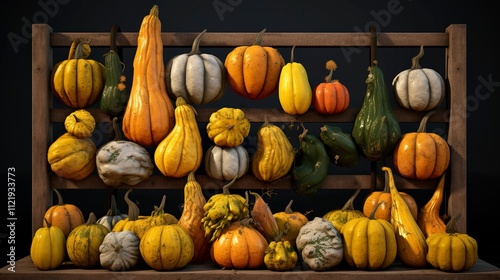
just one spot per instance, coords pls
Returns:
(369, 243)
(167, 247)
(274, 156)
(192, 214)
(48, 247)
(240, 246)
(80, 123)
(295, 92)
(158, 217)
(149, 114)
(128, 223)
(289, 223)
(228, 127)
(181, 151)
(84, 241)
(253, 71)
(418, 89)
(71, 157)
(452, 251)
(78, 81)
(65, 216)
(421, 155)
(338, 217)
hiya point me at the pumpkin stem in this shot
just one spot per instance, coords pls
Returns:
(451, 226)
(332, 66)
(258, 40)
(116, 129)
(292, 54)
(162, 204)
(59, 197)
(225, 189)
(415, 60)
(92, 219)
(47, 223)
(423, 122)
(288, 208)
(76, 118)
(372, 214)
(133, 209)
(349, 205)
(195, 49)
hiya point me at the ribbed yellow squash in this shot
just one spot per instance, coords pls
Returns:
(295, 93)
(274, 156)
(48, 247)
(181, 151)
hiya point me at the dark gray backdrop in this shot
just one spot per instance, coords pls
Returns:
(252, 16)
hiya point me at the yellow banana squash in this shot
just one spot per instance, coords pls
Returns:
(149, 114)
(48, 247)
(411, 242)
(294, 92)
(181, 151)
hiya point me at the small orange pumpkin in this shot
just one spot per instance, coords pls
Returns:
(289, 223)
(421, 155)
(240, 246)
(65, 216)
(254, 71)
(330, 97)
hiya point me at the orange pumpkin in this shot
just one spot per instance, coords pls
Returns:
(330, 97)
(240, 246)
(421, 155)
(383, 198)
(289, 223)
(254, 71)
(65, 216)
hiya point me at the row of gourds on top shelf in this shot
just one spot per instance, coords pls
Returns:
(206, 227)
(149, 117)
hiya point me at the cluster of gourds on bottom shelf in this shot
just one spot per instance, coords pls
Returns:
(233, 232)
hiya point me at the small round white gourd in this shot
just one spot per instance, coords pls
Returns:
(119, 250)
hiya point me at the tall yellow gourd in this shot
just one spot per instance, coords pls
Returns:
(295, 92)
(149, 115)
(411, 242)
(181, 151)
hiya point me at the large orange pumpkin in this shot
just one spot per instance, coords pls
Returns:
(254, 71)
(65, 216)
(421, 155)
(330, 97)
(240, 246)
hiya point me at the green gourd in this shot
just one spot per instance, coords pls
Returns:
(376, 130)
(339, 145)
(115, 95)
(310, 166)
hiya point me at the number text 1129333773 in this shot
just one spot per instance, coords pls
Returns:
(11, 218)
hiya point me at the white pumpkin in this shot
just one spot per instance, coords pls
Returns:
(197, 77)
(320, 245)
(418, 89)
(123, 162)
(112, 216)
(119, 250)
(225, 163)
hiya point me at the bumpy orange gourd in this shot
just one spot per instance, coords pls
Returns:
(149, 114)
(192, 213)
(331, 96)
(240, 246)
(253, 71)
(428, 219)
(65, 216)
(421, 155)
(181, 151)
(78, 81)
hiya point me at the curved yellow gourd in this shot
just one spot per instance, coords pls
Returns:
(181, 151)
(295, 93)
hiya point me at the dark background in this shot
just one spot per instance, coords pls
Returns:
(253, 16)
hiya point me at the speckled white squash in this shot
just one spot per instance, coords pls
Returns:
(320, 245)
(119, 251)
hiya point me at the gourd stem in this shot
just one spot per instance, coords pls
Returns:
(133, 209)
(349, 205)
(162, 204)
(332, 66)
(423, 122)
(372, 214)
(116, 129)
(225, 189)
(154, 11)
(59, 197)
(113, 209)
(112, 38)
(92, 219)
(415, 60)
(195, 49)
(191, 177)
(292, 54)
(72, 48)
(258, 40)
(451, 226)
(288, 208)
(373, 45)
(304, 132)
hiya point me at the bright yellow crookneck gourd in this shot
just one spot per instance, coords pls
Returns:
(411, 242)
(274, 156)
(295, 92)
(181, 151)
